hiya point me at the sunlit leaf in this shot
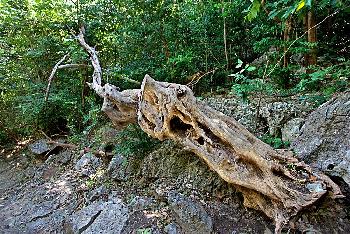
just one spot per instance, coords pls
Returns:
(301, 5)
(253, 10)
(239, 63)
(251, 68)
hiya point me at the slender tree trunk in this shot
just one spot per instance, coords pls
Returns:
(311, 36)
(225, 36)
(286, 37)
(84, 89)
(306, 55)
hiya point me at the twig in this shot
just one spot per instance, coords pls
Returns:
(64, 145)
(195, 80)
(52, 76)
(130, 80)
(72, 65)
(46, 136)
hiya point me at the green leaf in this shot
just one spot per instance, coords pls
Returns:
(239, 63)
(253, 10)
(301, 5)
(251, 68)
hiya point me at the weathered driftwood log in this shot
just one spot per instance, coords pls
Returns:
(270, 181)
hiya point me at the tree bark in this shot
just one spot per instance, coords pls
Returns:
(286, 37)
(271, 181)
(311, 36)
(52, 75)
(225, 35)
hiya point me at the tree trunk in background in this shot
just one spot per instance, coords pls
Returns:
(311, 37)
(286, 37)
(306, 56)
(225, 36)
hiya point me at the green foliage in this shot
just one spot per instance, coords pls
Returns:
(248, 86)
(4, 138)
(132, 141)
(275, 142)
(282, 77)
(52, 118)
(329, 80)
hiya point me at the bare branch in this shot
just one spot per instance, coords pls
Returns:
(52, 76)
(97, 75)
(130, 80)
(64, 145)
(73, 65)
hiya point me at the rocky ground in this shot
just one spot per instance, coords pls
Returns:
(45, 189)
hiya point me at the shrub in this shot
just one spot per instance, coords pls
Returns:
(52, 118)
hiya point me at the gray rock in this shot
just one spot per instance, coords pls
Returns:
(190, 215)
(106, 134)
(315, 187)
(98, 193)
(88, 164)
(61, 158)
(64, 157)
(43, 209)
(272, 113)
(117, 167)
(324, 141)
(182, 169)
(101, 217)
(291, 129)
(140, 203)
(276, 114)
(172, 228)
(241, 111)
(297, 58)
(267, 231)
(40, 147)
(262, 60)
(51, 223)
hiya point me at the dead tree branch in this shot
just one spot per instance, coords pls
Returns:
(52, 76)
(271, 181)
(72, 65)
(57, 67)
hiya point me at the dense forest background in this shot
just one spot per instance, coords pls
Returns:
(242, 48)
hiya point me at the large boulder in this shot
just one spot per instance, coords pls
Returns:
(117, 168)
(277, 114)
(88, 164)
(291, 130)
(183, 170)
(101, 217)
(243, 112)
(324, 140)
(259, 115)
(40, 147)
(190, 214)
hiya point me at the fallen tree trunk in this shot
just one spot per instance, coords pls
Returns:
(271, 181)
